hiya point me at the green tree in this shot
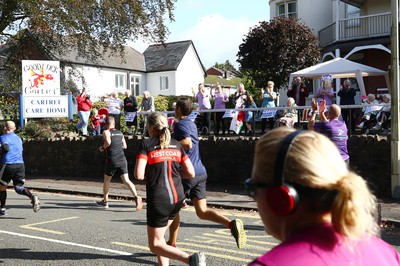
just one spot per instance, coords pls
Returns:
(108, 23)
(227, 65)
(273, 50)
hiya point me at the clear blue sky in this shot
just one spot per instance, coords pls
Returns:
(216, 27)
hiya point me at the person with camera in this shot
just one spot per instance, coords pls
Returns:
(84, 105)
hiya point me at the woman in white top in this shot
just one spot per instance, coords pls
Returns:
(114, 105)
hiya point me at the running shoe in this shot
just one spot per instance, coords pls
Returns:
(185, 205)
(139, 203)
(197, 259)
(237, 230)
(35, 203)
(3, 212)
(102, 203)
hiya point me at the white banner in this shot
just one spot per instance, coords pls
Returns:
(45, 106)
(40, 78)
(130, 116)
(229, 114)
(193, 115)
(268, 113)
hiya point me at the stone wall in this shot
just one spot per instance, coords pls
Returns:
(226, 159)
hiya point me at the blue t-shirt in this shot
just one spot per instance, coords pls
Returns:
(14, 154)
(336, 131)
(268, 101)
(187, 128)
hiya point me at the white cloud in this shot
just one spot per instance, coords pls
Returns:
(217, 38)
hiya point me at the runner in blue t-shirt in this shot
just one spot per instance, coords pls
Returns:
(331, 127)
(185, 131)
(13, 168)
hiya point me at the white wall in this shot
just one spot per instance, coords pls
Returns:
(153, 83)
(189, 74)
(101, 81)
(375, 7)
(316, 14)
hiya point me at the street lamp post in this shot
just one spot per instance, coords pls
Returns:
(395, 102)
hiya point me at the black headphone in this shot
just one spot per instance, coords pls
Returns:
(283, 198)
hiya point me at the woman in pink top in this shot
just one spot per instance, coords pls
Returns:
(307, 197)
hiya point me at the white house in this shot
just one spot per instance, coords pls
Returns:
(107, 74)
(173, 68)
(358, 30)
(163, 69)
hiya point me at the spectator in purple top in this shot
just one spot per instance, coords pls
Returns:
(326, 92)
(331, 127)
(203, 99)
(220, 99)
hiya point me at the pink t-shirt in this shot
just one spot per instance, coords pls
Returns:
(321, 245)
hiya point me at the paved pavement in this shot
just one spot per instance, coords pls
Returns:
(218, 195)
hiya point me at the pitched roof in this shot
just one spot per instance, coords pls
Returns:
(167, 56)
(130, 59)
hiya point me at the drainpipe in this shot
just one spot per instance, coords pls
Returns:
(395, 158)
(337, 20)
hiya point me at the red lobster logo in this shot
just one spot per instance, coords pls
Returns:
(38, 78)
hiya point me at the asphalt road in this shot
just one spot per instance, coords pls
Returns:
(71, 230)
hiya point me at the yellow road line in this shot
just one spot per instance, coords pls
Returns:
(235, 251)
(31, 226)
(237, 214)
(187, 250)
(249, 239)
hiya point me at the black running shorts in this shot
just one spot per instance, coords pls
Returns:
(158, 214)
(14, 172)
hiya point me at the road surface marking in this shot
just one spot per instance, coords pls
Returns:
(185, 249)
(31, 226)
(249, 239)
(68, 243)
(234, 213)
(235, 251)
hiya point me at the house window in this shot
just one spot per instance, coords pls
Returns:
(352, 13)
(135, 89)
(287, 9)
(120, 82)
(164, 83)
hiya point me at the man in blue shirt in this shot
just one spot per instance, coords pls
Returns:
(13, 168)
(185, 131)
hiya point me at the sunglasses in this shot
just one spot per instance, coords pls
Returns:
(251, 186)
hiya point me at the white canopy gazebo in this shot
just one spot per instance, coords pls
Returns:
(341, 68)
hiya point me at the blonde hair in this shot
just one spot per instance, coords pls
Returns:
(327, 84)
(315, 162)
(160, 124)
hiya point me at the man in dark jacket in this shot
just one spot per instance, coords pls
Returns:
(130, 108)
(347, 94)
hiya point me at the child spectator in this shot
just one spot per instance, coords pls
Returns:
(96, 122)
(249, 103)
